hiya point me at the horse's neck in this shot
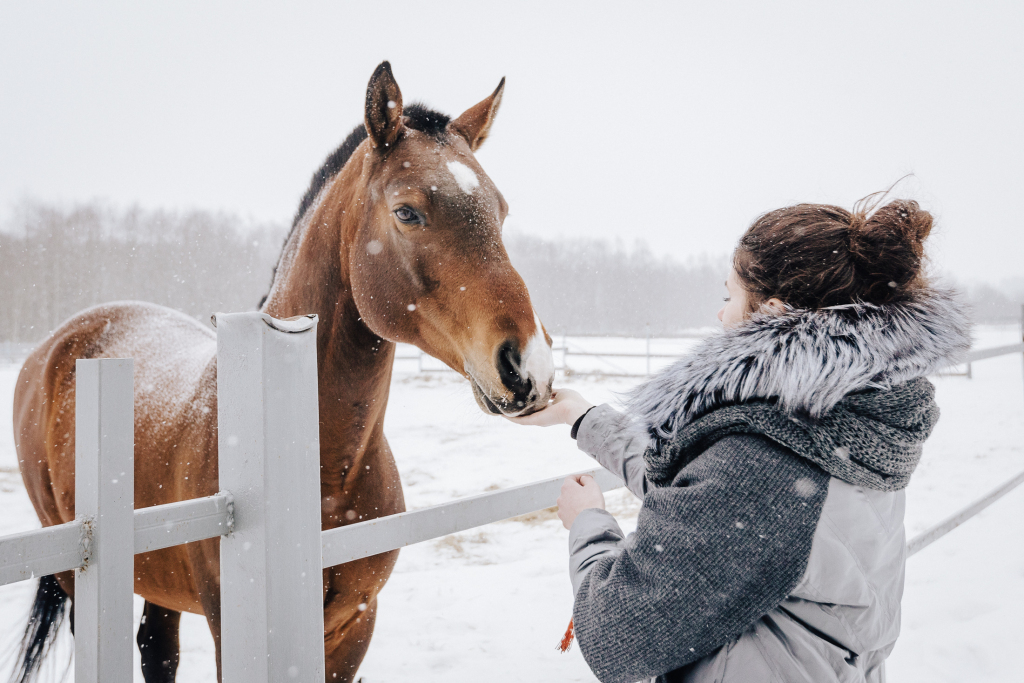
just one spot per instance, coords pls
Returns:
(354, 364)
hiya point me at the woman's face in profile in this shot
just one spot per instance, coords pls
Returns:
(735, 309)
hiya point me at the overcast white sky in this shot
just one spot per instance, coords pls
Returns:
(675, 123)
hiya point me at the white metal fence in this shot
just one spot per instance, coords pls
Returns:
(574, 356)
(267, 514)
(567, 350)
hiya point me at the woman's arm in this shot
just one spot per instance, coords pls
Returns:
(604, 433)
(712, 554)
(612, 439)
(594, 536)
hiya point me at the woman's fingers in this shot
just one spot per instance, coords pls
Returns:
(559, 395)
(542, 418)
(579, 492)
(552, 414)
(565, 407)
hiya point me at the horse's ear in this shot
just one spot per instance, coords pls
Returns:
(383, 107)
(475, 122)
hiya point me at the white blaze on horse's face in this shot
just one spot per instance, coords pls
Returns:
(537, 360)
(464, 176)
(538, 364)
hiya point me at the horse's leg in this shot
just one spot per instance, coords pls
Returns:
(158, 643)
(345, 646)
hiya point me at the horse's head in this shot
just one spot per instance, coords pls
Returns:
(428, 266)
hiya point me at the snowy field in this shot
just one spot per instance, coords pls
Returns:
(491, 603)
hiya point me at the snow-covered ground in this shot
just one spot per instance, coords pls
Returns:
(491, 603)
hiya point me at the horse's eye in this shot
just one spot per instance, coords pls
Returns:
(407, 215)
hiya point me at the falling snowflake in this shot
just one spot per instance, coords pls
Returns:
(804, 487)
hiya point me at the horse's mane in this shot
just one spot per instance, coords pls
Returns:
(418, 117)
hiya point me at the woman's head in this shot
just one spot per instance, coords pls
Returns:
(816, 255)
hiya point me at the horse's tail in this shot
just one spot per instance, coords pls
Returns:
(41, 631)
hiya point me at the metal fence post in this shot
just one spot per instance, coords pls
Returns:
(105, 502)
(269, 459)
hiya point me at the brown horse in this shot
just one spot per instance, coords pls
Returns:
(397, 239)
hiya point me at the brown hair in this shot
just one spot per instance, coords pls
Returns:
(817, 255)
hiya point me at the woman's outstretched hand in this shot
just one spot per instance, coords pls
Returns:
(565, 408)
(579, 492)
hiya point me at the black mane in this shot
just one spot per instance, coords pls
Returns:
(332, 165)
(418, 117)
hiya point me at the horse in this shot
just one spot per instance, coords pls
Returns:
(398, 239)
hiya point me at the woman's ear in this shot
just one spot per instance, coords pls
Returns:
(774, 305)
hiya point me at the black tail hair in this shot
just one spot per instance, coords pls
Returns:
(44, 624)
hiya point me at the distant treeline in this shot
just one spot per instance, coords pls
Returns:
(596, 287)
(57, 261)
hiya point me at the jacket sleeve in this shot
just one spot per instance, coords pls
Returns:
(712, 554)
(609, 437)
(595, 534)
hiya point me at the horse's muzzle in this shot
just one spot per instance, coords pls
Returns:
(513, 377)
(525, 380)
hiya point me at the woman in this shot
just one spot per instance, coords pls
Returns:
(772, 463)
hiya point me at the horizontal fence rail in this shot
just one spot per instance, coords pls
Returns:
(970, 357)
(619, 354)
(984, 354)
(62, 547)
(363, 539)
(40, 552)
(163, 526)
(925, 539)
(567, 352)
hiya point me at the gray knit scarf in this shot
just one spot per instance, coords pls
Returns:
(842, 386)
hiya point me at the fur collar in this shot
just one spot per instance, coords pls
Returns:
(806, 361)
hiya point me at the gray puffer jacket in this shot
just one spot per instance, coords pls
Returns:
(772, 462)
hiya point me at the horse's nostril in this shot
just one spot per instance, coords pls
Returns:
(508, 364)
(511, 373)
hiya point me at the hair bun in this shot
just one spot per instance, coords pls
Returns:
(888, 244)
(903, 218)
(818, 255)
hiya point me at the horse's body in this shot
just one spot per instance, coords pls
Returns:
(397, 240)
